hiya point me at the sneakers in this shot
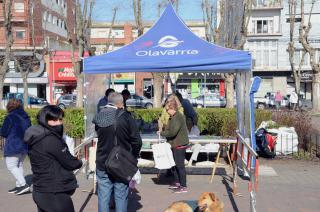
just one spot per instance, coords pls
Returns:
(13, 190)
(180, 190)
(174, 186)
(23, 189)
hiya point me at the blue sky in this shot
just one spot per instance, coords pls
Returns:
(188, 10)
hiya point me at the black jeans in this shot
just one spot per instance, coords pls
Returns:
(179, 169)
(53, 202)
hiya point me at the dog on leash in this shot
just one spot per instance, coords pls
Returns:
(209, 202)
(179, 207)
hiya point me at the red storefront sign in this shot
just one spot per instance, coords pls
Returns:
(63, 71)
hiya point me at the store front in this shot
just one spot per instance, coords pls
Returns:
(196, 84)
(122, 81)
(61, 75)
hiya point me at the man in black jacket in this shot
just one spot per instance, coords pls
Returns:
(128, 137)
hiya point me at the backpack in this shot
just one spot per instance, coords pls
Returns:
(265, 143)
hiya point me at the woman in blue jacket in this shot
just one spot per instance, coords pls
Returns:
(14, 126)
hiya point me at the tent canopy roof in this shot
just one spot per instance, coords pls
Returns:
(169, 46)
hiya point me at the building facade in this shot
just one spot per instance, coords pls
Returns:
(50, 18)
(268, 38)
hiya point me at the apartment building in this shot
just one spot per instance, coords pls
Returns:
(140, 83)
(50, 19)
(269, 30)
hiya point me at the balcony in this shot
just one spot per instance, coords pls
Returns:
(264, 34)
(267, 4)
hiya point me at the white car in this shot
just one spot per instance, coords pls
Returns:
(209, 101)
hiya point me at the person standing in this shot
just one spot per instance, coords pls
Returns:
(104, 100)
(278, 99)
(52, 164)
(128, 137)
(189, 112)
(176, 133)
(126, 95)
(293, 100)
(15, 150)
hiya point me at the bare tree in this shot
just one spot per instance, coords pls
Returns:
(83, 15)
(231, 32)
(109, 40)
(296, 69)
(7, 16)
(304, 30)
(157, 77)
(28, 64)
(137, 11)
(208, 11)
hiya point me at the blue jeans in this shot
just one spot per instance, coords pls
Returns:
(105, 187)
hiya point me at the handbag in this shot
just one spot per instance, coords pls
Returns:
(121, 164)
(162, 155)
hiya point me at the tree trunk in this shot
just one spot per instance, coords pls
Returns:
(2, 106)
(229, 90)
(297, 83)
(316, 92)
(157, 85)
(80, 90)
(25, 90)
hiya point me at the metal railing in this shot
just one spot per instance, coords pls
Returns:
(289, 146)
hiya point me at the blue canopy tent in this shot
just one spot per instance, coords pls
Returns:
(169, 46)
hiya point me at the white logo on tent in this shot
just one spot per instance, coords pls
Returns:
(168, 41)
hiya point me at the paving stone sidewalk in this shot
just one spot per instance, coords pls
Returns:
(284, 185)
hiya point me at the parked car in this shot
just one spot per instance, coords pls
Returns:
(32, 100)
(209, 101)
(268, 101)
(67, 101)
(139, 102)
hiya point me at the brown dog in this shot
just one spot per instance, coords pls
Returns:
(179, 207)
(208, 202)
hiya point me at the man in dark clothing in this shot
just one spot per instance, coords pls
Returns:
(126, 95)
(128, 137)
(189, 112)
(104, 100)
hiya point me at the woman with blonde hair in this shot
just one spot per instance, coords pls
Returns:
(14, 126)
(176, 133)
(164, 118)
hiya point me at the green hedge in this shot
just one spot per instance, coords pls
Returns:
(212, 121)
(73, 121)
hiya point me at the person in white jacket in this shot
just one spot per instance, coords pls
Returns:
(293, 100)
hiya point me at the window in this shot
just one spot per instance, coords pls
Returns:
(295, 20)
(45, 16)
(20, 34)
(262, 26)
(67, 97)
(298, 56)
(265, 53)
(54, 20)
(19, 7)
(49, 18)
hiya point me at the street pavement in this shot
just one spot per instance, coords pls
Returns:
(284, 185)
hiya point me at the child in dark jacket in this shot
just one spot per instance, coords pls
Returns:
(14, 126)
